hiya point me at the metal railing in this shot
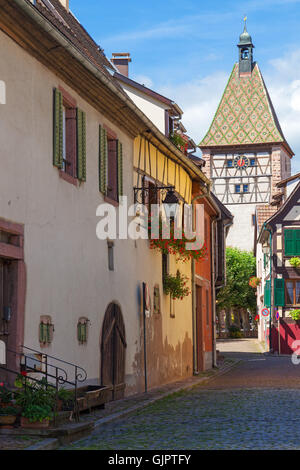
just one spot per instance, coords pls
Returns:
(52, 374)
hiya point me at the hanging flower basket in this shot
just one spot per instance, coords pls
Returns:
(254, 282)
(176, 286)
(176, 246)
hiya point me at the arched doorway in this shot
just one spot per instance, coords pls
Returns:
(113, 351)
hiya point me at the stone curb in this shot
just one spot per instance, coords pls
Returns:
(52, 444)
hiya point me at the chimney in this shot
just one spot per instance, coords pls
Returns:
(65, 3)
(121, 61)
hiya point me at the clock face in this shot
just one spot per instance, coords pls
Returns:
(241, 162)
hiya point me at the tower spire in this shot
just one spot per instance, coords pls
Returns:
(245, 46)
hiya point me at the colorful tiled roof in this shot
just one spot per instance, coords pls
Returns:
(245, 114)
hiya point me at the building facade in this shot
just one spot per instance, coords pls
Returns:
(245, 150)
(74, 140)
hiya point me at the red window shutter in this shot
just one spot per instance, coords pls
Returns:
(112, 164)
(71, 141)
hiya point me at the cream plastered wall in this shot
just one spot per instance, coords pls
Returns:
(67, 266)
(241, 235)
(153, 109)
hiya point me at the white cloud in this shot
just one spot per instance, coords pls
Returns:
(143, 80)
(199, 100)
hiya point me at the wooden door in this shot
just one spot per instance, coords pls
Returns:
(113, 351)
(199, 328)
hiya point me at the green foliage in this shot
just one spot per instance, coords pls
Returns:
(295, 262)
(178, 141)
(9, 410)
(240, 266)
(36, 413)
(295, 314)
(36, 400)
(65, 395)
(176, 286)
(6, 395)
(234, 332)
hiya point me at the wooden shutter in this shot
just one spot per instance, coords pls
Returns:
(102, 160)
(279, 292)
(267, 294)
(297, 242)
(81, 145)
(58, 129)
(120, 168)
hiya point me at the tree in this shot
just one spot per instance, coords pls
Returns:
(237, 294)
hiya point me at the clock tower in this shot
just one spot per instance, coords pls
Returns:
(245, 151)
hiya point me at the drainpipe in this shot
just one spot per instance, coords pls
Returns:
(213, 294)
(271, 283)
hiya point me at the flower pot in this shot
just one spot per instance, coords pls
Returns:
(7, 420)
(5, 405)
(25, 423)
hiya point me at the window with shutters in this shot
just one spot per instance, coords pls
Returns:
(69, 138)
(165, 266)
(292, 292)
(279, 300)
(82, 330)
(292, 242)
(110, 165)
(46, 329)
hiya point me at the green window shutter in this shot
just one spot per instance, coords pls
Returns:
(267, 294)
(279, 292)
(81, 145)
(120, 168)
(58, 129)
(82, 332)
(289, 244)
(41, 333)
(296, 242)
(103, 153)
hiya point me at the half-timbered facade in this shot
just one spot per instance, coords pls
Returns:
(279, 291)
(245, 150)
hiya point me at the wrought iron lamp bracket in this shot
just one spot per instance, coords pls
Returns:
(141, 195)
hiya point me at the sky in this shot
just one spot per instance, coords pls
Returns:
(186, 50)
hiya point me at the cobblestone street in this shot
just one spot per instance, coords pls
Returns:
(253, 406)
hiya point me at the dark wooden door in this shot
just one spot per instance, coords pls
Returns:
(199, 328)
(113, 351)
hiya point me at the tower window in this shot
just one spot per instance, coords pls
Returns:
(229, 163)
(237, 188)
(245, 188)
(245, 54)
(252, 161)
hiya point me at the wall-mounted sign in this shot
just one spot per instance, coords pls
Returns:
(265, 312)
(147, 302)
